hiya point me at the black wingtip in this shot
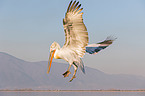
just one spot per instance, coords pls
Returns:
(112, 38)
(72, 6)
(69, 5)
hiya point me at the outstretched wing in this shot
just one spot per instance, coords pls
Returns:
(95, 48)
(76, 35)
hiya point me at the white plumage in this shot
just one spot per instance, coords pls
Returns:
(76, 40)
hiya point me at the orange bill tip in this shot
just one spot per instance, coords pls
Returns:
(50, 60)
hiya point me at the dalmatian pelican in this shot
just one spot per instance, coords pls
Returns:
(76, 41)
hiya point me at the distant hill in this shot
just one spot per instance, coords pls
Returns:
(17, 74)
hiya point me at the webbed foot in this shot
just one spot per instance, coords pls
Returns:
(66, 74)
(72, 78)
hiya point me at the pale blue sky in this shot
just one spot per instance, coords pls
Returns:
(28, 27)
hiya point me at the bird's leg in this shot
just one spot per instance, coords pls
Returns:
(66, 74)
(73, 75)
(75, 70)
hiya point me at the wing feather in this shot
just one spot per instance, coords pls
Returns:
(76, 35)
(95, 48)
(75, 5)
(72, 6)
(69, 6)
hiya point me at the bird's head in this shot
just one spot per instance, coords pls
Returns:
(54, 46)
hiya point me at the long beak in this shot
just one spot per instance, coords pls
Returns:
(50, 60)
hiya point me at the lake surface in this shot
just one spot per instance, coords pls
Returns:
(72, 93)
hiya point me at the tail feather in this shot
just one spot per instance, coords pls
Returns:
(80, 64)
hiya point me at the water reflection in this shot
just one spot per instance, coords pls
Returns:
(72, 93)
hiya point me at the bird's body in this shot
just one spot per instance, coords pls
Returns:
(66, 54)
(76, 41)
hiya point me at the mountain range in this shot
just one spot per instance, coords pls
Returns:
(17, 74)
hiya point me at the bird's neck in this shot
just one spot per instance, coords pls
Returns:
(56, 55)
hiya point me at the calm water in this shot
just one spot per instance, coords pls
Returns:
(72, 93)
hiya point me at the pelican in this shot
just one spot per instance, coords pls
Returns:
(76, 41)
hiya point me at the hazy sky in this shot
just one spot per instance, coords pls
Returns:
(28, 27)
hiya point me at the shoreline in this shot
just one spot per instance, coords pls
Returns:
(72, 90)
